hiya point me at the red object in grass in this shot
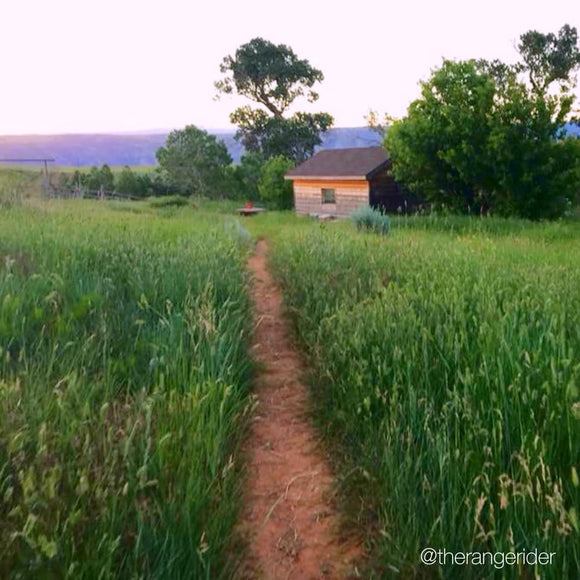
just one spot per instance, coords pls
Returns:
(249, 205)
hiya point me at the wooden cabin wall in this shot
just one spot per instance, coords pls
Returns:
(349, 196)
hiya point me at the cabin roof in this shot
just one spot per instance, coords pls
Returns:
(352, 163)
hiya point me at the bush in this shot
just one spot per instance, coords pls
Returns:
(370, 219)
(169, 201)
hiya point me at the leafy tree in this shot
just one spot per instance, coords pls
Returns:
(145, 187)
(97, 179)
(273, 188)
(194, 161)
(294, 138)
(154, 183)
(246, 175)
(127, 182)
(441, 145)
(78, 179)
(273, 77)
(106, 178)
(269, 74)
(93, 180)
(534, 170)
(481, 138)
(550, 57)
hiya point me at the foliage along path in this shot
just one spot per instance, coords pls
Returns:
(289, 519)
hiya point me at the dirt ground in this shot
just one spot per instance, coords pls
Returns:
(289, 520)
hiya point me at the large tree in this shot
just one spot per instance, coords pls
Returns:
(439, 149)
(194, 162)
(481, 138)
(273, 77)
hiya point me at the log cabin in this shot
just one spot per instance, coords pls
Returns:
(335, 182)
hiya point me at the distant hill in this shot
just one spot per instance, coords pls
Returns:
(82, 150)
(140, 148)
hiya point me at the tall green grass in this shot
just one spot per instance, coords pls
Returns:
(123, 391)
(17, 184)
(459, 224)
(446, 368)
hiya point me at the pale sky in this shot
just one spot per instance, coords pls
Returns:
(73, 66)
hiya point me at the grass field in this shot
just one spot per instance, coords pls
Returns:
(445, 372)
(123, 388)
(17, 183)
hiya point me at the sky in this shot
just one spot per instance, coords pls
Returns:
(88, 66)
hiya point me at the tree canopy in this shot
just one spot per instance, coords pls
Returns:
(269, 74)
(96, 179)
(294, 138)
(481, 138)
(194, 161)
(550, 57)
(273, 77)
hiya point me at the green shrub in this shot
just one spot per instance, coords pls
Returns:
(370, 219)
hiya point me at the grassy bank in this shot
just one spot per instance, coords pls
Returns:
(445, 375)
(123, 387)
(446, 372)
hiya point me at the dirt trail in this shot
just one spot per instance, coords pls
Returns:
(289, 520)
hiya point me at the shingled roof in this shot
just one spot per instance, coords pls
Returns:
(353, 163)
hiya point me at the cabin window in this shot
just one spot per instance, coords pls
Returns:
(328, 195)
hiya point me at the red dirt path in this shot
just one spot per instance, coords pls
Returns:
(289, 521)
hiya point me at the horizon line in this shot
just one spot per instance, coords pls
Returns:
(143, 132)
